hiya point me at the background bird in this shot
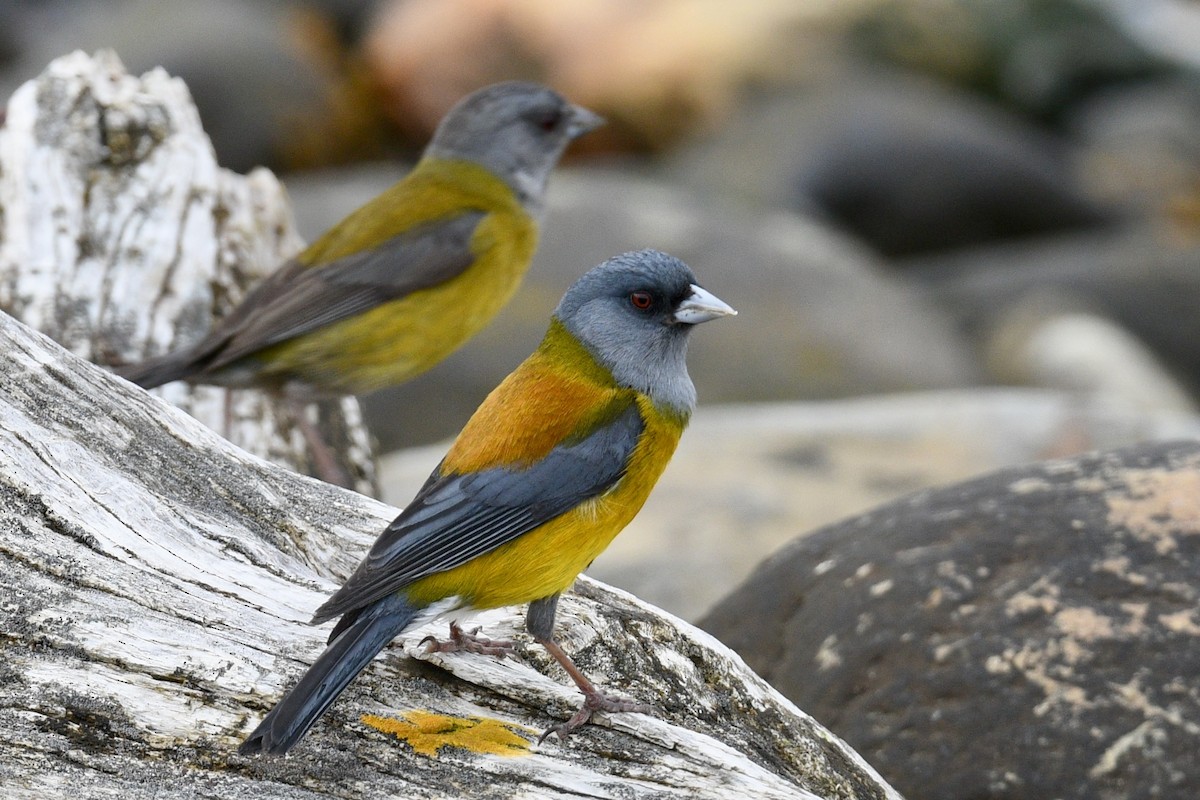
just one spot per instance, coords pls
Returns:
(406, 279)
(553, 464)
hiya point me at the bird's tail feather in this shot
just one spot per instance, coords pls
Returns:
(343, 659)
(156, 371)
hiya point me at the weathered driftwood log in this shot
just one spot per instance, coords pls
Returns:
(156, 583)
(156, 579)
(120, 237)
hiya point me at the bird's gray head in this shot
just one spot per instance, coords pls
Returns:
(516, 130)
(634, 313)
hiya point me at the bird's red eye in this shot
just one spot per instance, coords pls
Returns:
(551, 120)
(641, 300)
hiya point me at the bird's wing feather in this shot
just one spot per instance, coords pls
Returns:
(455, 518)
(299, 299)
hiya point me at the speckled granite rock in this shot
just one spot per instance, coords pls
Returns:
(1031, 633)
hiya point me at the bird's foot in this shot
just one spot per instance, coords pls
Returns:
(461, 641)
(593, 701)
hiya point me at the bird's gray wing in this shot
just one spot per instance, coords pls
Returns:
(297, 299)
(455, 518)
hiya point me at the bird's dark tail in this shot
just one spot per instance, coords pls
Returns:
(156, 371)
(343, 659)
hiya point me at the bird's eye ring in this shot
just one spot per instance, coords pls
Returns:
(641, 300)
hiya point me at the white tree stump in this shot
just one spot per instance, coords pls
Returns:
(121, 237)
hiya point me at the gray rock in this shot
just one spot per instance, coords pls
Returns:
(905, 164)
(1138, 148)
(1081, 352)
(257, 93)
(1031, 633)
(909, 168)
(1034, 56)
(1144, 280)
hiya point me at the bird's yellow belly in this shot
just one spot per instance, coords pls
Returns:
(401, 339)
(547, 560)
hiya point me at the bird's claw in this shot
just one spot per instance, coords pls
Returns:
(461, 641)
(593, 702)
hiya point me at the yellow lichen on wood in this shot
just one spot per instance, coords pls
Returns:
(427, 732)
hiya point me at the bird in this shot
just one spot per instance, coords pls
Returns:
(557, 459)
(406, 279)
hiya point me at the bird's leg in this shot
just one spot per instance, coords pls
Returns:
(324, 460)
(228, 408)
(461, 641)
(540, 622)
(593, 698)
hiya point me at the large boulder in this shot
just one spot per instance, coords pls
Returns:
(1031, 633)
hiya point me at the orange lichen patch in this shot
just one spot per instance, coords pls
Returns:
(427, 733)
(1158, 506)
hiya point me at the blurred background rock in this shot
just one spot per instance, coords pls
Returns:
(912, 203)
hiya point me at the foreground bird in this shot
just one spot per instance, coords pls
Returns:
(557, 460)
(402, 282)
